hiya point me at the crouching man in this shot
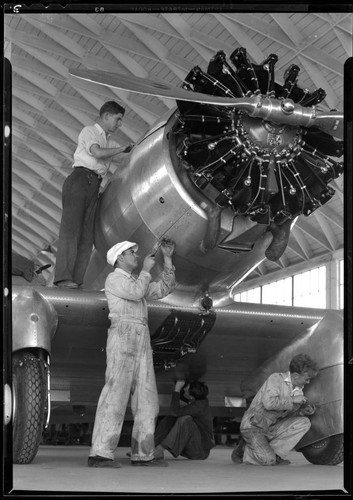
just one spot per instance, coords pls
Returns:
(277, 417)
(188, 431)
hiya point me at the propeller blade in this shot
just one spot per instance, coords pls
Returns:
(331, 123)
(264, 107)
(153, 87)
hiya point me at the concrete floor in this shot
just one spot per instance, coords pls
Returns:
(63, 469)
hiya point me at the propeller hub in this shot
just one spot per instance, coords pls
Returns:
(287, 106)
(264, 136)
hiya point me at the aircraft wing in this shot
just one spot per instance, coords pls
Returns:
(222, 346)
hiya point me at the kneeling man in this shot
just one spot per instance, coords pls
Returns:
(277, 417)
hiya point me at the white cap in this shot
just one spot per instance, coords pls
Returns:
(118, 249)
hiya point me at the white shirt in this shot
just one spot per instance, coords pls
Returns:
(93, 134)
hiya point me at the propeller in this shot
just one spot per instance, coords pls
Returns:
(156, 87)
(281, 111)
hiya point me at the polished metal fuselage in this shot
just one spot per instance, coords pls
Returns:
(150, 197)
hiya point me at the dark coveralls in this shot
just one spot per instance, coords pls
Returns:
(188, 431)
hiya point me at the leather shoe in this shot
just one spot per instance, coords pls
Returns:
(150, 463)
(281, 461)
(98, 461)
(157, 455)
(238, 452)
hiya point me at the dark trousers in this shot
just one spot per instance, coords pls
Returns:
(79, 200)
(21, 266)
(180, 436)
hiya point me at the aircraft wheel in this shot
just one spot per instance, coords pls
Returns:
(328, 451)
(29, 397)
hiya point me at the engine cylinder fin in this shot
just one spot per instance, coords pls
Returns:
(336, 167)
(279, 172)
(219, 67)
(241, 61)
(313, 98)
(199, 78)
(269, 66)
(291, 77)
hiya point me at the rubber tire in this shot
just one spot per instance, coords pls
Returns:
(328, 451)
(29, 393)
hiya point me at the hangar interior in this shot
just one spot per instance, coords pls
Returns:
(50, 107)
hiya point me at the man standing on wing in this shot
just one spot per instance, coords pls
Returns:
(92, 158)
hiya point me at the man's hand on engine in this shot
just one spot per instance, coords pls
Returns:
(307, 409)
(167, 247)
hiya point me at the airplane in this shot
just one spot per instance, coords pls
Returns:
(238, 159)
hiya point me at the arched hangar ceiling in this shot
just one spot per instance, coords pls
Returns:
(49, 107)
